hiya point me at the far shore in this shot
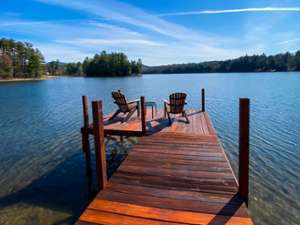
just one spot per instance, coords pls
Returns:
(28, 79)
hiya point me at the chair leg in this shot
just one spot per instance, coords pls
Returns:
(187, 119)
(114, 115)
(129, 115)
(169, 117)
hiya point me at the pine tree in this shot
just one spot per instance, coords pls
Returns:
(5, 66)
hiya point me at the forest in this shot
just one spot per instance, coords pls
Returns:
(20, 60)
(256, 63)
(104, 64)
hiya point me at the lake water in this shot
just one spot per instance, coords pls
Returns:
(42, 176)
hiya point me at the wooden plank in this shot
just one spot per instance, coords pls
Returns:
(234, 209)
(166, 215)
(172, 194)
(218, 167)
(100, 217)
(159, 124)
(176, 174)
(210, 127)
(171, 183)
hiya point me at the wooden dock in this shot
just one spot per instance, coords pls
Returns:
(176, 174)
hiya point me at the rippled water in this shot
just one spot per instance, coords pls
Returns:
(42, 176)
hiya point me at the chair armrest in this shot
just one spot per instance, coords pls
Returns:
(166, 102)
(133, 101)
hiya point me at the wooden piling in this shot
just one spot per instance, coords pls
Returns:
(100, 151)
(143, 114)
(244, 148)
(85, 140)
(203, 99)
(85, 111)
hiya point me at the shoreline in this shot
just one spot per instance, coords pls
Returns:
(28, 79)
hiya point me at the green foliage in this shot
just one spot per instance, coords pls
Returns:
(56, 68)
(113, 64)
(53, 68)
(5, 67)
(104, 64)
(73, 69)
(136, 67)
(255, 63)
(26, 61)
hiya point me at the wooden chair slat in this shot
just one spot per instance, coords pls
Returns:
(123, 105)
(176, 105)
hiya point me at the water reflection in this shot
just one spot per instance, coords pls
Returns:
(42, 174)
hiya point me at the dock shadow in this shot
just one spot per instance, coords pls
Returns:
(62, 189)
(228, 211)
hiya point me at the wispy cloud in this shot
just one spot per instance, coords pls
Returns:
(126, 14)
(112, 42)
(119, 26)
(289, 41)
(8, 24)
(62, 52)
(176, 43)
(263, 9)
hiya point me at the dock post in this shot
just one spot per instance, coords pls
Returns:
(203, 99)
(99, 145)
(85, 140)
(143, 114)
(244, 132)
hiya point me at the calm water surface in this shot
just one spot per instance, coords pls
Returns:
(42, 178)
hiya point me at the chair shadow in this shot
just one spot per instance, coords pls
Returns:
(228, 211)
(192, 113)
(161, 123)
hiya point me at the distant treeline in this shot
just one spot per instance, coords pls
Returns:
(57, 68)
(105, 64)
(20, 60)
(255, 63)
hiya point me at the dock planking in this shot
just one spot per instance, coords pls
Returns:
(199, 124)
(176, 174)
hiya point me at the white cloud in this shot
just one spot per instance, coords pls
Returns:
(263, 9)
(109, 42)
(8, 24)
(176, 43)
(289, 41)
(118, 26)
(125, 13)
(63, 53)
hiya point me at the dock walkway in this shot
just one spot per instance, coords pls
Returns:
(176, 174)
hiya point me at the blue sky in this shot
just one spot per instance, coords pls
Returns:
(158, 32)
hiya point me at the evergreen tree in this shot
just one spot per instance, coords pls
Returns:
(255, 63)
(113, 64)
(5, 67)
(25, 60)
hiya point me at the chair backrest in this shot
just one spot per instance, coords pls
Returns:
(120, 100)
(177, 101)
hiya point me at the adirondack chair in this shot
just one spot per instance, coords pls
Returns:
(175, 105)
(124, 106)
